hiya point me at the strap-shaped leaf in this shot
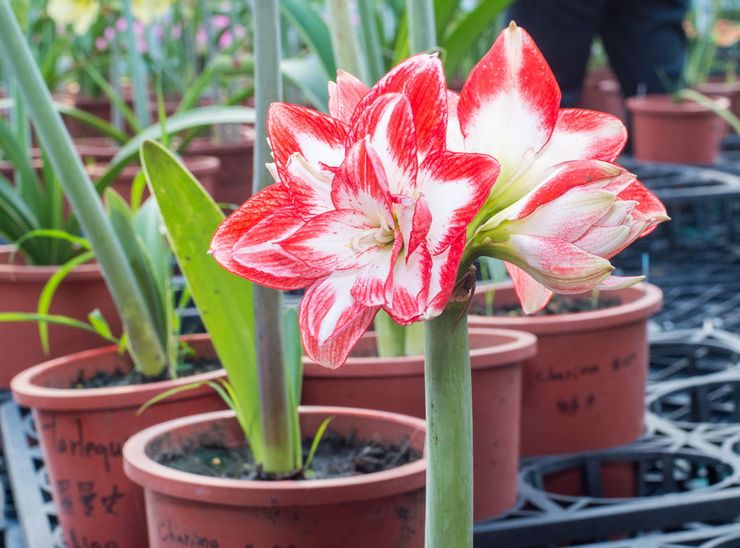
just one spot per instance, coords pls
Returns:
(225, 301)
(313, 30)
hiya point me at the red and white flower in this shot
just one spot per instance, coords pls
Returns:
(369, 210)
(509, 108)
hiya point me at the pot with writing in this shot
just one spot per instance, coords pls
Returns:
(82, 430)
(193, 499)
(20, 288)
(397, 384)
(585, 388)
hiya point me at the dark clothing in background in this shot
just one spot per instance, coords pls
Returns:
(642, 38)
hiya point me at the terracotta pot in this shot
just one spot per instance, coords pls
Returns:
(730, 90)
(233, 182)
(82, 432)
(601, 91)
(82, 291)
(397, 384)
(680, 133)
(585, 388)
(381, 509)
(204, 168)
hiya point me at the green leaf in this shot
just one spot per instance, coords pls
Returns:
(466, 31)
(316, 440)
(54, 233)
(444, 14)
(197, 117)
(100, 324)
(50, 288)
(293, 367)
(97, 123)
(29, 186)
(185, 388)
(307, 75)
(313, 31)
(48, 318)
(224, 301)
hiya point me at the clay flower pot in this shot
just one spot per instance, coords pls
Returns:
(397, 384)
(585, 388)
(82, 291)
(82, 432)
(601, 91)
(204, 168)
(680, 133)
(233, 181)
(380, 509)
(730, 90)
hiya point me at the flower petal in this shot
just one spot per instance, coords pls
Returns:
(509, 103)
(533, 296)
(242, 233)
(360, 185)
(331, 321)
(649, 207)
(443, 277)
(557, 264)
(414, 220)
(408, 287)
(308, 186)
(455, 141)
(315, 136)
(389, 126)
(344, 95)
(605, 241)
(421, 79)
(455, 185)
(619, 282)
(336, 240)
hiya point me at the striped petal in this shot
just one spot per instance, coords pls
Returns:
(443, 277)
(309, 187)
(455, 185)
(331, 321)
(649, 207)
(619, 282)
(533, 296)
(388, 124)
(509, 103)
(344, 95)
(421, 79)
(243, 232)
(336, 240)
(407, 289)
(315, 136)
(557, 264)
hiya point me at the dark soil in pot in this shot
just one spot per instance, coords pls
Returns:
(336, 456)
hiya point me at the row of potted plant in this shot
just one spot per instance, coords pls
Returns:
(525, 220)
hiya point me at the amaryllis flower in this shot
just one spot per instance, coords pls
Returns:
(563, 232)
(509, 108)
(369, 211)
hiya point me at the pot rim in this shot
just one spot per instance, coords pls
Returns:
(143, 470)
(27, 392)
(660, 103)
(520, 346)
(41, 274)
(649, 302)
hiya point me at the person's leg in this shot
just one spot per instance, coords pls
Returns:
(645, 42)
(563, 30)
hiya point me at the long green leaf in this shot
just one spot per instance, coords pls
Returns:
(56, 234)
(29, 185)
(197, 117)
(444, 14)
(224, 300)
(49, 318)
(50, 288)
(313, 30)
(97, 123)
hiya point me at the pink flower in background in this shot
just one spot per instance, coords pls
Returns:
(509, 108)
(369, 210)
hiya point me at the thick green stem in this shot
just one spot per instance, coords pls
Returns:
(344, 40)
(274, 401)
(146, 349)
(449, 498)
(422, 28)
